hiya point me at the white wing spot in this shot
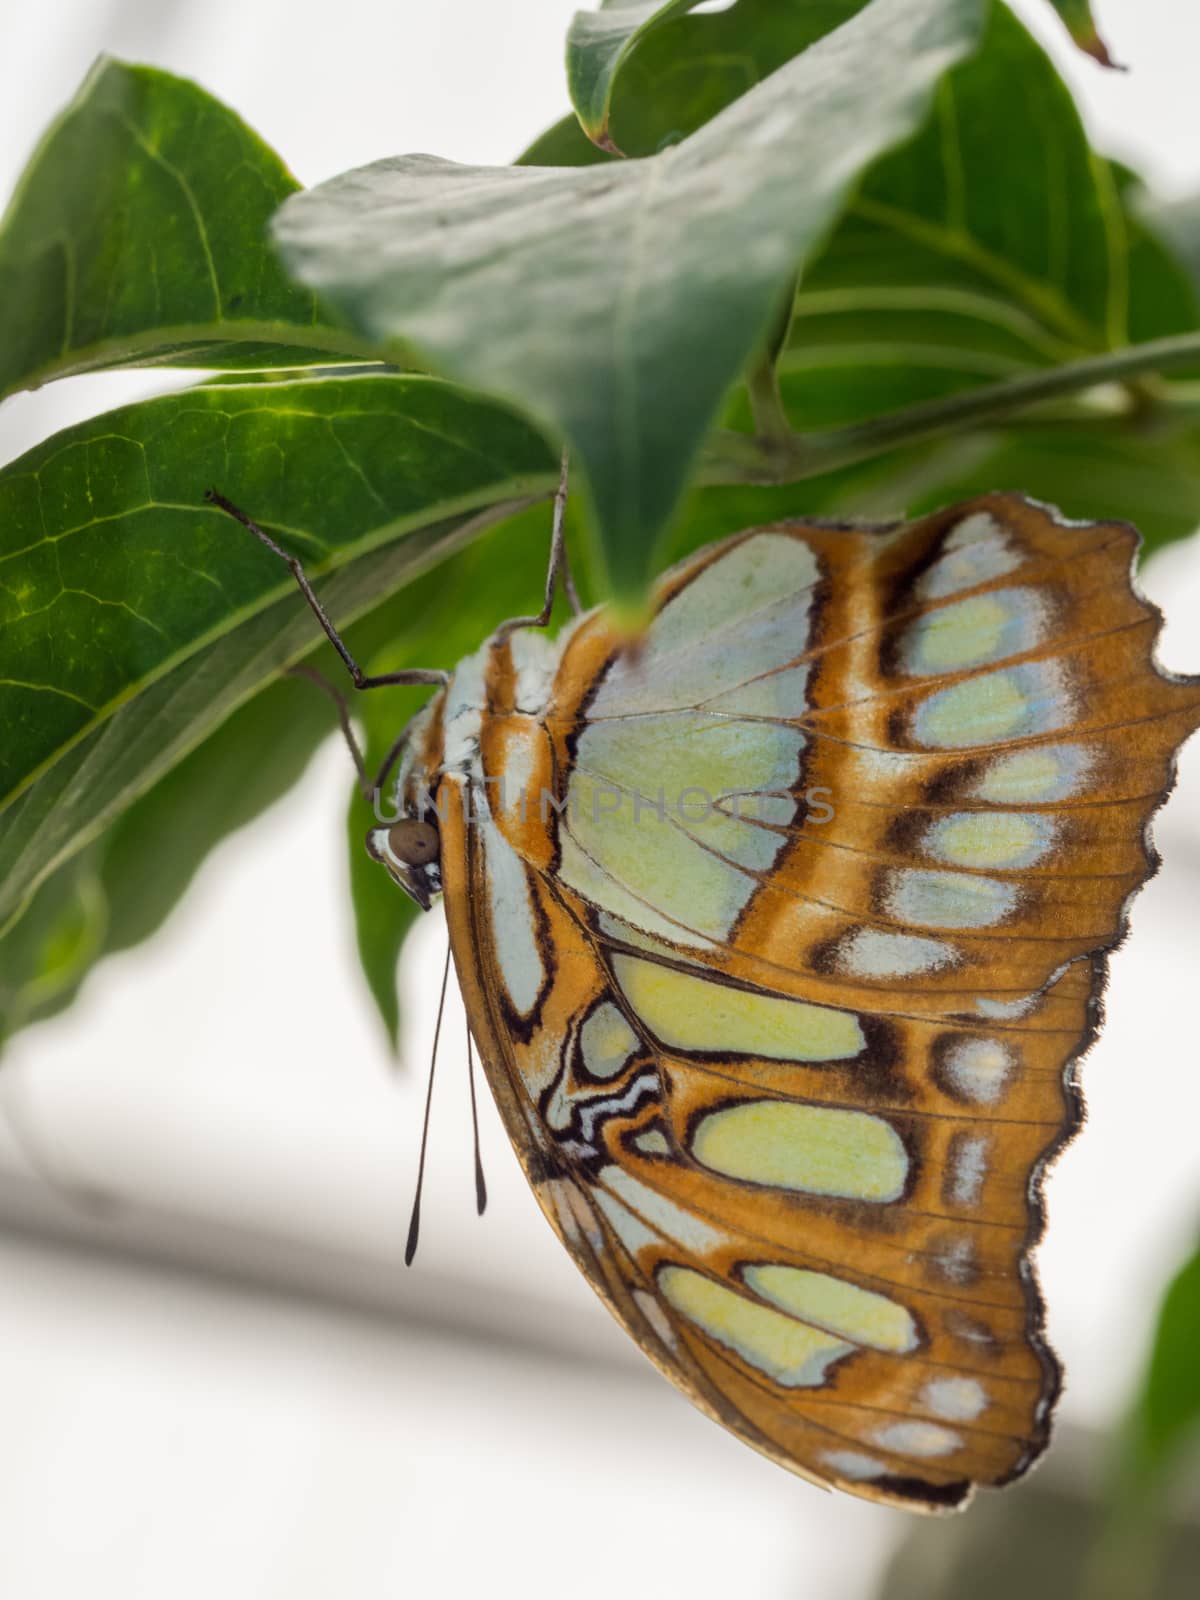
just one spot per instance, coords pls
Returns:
(918, 1439)
(970, 1169)
(955, 1399)
(854, 1465)
(931, 899)
(874, 953)
(975, 551)
(511, 912)
(978, 1069)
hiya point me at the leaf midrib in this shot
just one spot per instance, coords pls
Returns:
(181, 338)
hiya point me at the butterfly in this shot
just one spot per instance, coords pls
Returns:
(781, 930)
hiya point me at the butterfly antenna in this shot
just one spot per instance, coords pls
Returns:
(414, 1222)
(480, 1185)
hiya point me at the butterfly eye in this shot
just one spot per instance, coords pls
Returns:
(414, 843)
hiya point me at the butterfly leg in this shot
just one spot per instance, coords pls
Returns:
(302, 670)
(361, 679)
(559, 566)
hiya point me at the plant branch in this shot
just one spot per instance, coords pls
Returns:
(772, 458)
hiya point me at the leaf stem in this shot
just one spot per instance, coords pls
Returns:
(788, 458)
(766, 405)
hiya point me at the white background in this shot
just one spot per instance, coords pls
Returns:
(187, 1434)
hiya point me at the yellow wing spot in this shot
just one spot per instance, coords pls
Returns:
(695, 1014)
(972, 632)
(653, 1142)
(792, 1354)
(849, 1154)
(607, 1041)
(990, 839)
(837, 1306)
(1027, 777)
(1017, 703)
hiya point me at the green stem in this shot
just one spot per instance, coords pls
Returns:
(774, 458)
(766, 405)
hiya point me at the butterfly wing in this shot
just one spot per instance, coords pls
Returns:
(781, 934)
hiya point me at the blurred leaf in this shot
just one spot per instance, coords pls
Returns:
(1002, 242)
(119, 890)
(137, 235)
(154, 850)
(1177, 221)
(967, 257)
(1132, 1556)
(1167, 1414)
(1035, 1541)
(597, 44)
(44, 956)
(1081, 25)
(564, 145)
(1164, 286)
(672, 72)
(619, 305)
(1150, 479)
(115, 570)
(972, 260)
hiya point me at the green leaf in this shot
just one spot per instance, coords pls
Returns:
(598, 42)
(643, 75)
(966, 258)
(149, 617)
(44, 957)
(618, 305)
(99, 777)
(1092, 473)
(1167, 1414)
(1081, 25)
(1177, 221)
(153, 851)
(1133, 1553)
(131, 877)
(138, 235)
(888, 318)
(120, 888)
(967, 261)
(965, 282)
(1164, 285)
(114, 570)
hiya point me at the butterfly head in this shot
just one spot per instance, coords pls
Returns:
(411, 850)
